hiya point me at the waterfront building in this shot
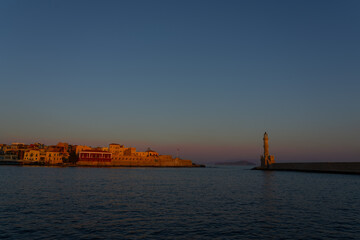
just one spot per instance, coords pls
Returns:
(80, 148)
(38, 145)
(9, 155)
(94, 157)
(32, 156)
(116, 150)
(62, 148)
(147, 153)
(63, 153)
(2, 146)
(131, 151)
(53, 157)
(151, 153)
(13, 151)
(12, 147)
(123, 156)
(104, 149)
(64, 145)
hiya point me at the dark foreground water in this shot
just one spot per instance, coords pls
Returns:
(169, 203)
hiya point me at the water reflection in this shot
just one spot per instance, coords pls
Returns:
(223, 203)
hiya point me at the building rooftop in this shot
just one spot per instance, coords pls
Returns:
(94, 150)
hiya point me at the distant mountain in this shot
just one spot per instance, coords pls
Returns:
(236, 163)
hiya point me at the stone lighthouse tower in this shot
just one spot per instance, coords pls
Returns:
(266, 159)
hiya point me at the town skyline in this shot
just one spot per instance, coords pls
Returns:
(68, 155)
(206, 77)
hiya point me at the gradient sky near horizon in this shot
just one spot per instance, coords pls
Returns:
(207, 77)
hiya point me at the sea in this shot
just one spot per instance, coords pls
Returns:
(225, 202)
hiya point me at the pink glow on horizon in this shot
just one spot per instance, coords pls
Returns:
(208, 153)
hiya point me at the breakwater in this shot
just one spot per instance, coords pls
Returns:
(326, 167)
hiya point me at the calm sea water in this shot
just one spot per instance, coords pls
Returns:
(171, 203)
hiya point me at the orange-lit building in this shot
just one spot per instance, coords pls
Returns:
(63, 153)
(32, 156)
(53, 157)
(94, 157)
(122, 156)
(80, 148)
(116, 150)
(2, 147)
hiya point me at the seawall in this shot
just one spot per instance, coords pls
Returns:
(326, 167)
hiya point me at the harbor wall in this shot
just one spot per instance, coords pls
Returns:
(333, 167)
(170, 162)
(146, 162)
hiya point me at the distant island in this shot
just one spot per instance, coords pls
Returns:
(236, 163)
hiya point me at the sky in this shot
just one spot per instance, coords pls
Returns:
(205, 77)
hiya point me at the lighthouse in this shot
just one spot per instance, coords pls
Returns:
(266, 159)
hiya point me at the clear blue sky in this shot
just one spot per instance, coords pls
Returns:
(208, 77)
